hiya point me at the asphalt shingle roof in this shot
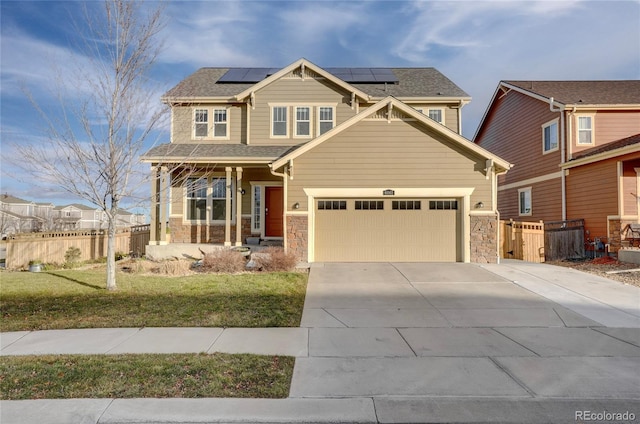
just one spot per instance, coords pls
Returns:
(614, 145)
(7, 198)
(621, 92)
(413, 82)
(199, 151)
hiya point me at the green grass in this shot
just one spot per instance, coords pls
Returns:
(145, 376)
(77, 299)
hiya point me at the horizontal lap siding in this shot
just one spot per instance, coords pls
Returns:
(630, 188)
(294, 91)
(592, 194)
(182, 123)
(387, 155)
(609, 126)
(546, 202)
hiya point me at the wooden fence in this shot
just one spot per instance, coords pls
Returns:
(564, 239)
(542, 241)
(51, 247)
(522, 240)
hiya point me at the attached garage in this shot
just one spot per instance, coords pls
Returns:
(385, 229)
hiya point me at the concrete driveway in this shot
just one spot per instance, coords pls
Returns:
(402, 332)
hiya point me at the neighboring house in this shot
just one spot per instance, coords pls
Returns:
(78, 217)
(125, 218)
(576, 150)
(17, 215)
(341, 164)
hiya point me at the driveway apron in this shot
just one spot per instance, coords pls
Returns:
(431, 329)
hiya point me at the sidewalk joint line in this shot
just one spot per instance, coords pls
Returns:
(215, 339)
(406, 342)
(104, 412)
(517, 342)
(513, 377)
(614, 337)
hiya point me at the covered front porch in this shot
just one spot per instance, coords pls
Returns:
(215, 206)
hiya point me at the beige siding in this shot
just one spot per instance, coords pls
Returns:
(608, 126)
(183, 124)
(296, 92)
(387, 155)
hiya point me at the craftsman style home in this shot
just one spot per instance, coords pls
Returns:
(339, 164)
(576, 147)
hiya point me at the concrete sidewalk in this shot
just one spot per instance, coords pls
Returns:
(404, 342)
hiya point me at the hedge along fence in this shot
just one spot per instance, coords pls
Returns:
(51, 247)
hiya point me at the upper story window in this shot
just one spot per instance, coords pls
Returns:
(206, 128)
(585, 130)
(326, 118)
(524, 201)
(303, 121)
(437, 115)
(279, 121)
(201, 122)
(220, 123)
(550, 136)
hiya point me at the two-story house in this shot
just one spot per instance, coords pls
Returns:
(17, 215)
(576, 150)
(340, 164)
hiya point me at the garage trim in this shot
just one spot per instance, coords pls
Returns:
(462, 193)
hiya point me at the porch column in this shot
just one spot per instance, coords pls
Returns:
(155, 201)
(239, 207)
(228, 211)
(164, 194)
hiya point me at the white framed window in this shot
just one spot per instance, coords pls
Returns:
(206, 199)
(210, 123)
(326, 119)
(303, 121)
(196, 193)
(279, 127)
(524, 201)
(220, 125)
(201, 123)
(550, 136)
(585, 129)
(437, 114)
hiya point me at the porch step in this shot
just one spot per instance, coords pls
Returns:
(277, 243)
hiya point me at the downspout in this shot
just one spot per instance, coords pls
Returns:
(285, 201)
(562, 157)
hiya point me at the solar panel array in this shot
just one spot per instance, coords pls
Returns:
(350, 75)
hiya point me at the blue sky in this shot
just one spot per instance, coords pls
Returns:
(476, 44)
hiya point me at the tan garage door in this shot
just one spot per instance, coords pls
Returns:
(377, 230)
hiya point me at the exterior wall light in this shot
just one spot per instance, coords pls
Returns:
(296, 205)
(479, 205)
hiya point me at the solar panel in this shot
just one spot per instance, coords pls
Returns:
(350, 75)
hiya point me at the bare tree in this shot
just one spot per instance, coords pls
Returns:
(92, 146)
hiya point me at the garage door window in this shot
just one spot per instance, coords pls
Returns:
(327, 205)
(369, 205)
(443, 205)
(409, 205)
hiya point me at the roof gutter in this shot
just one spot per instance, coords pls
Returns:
(563, 177)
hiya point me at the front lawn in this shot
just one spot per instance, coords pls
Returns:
(78, 299)
(145, 376)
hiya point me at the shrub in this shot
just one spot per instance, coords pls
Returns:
(71, 257)
(275, 259)
(171, 267)
(225, 261)
(120, 255)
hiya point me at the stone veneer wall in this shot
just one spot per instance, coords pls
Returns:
(484, 239)
(187, 233)
(297, 236)
(616, 226)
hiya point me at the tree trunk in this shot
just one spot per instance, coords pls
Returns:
(111, 254)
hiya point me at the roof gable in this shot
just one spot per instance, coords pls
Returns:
(413, 83)
(395, 108)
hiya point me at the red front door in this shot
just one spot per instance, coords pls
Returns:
(273, 210)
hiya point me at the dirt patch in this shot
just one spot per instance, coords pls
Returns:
(607, 267)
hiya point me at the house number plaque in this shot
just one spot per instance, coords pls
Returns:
(388, 192)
